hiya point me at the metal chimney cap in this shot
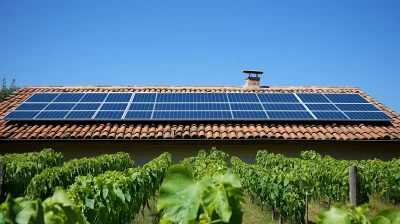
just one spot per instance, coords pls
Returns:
(253, 72)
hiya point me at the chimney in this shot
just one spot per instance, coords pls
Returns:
(252, 81)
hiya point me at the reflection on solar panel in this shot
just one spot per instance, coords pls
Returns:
(196, 106)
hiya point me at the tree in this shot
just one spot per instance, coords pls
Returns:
(6, 91)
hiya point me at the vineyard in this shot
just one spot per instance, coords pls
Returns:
(211, 187)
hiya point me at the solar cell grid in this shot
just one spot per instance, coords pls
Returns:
(357, 107)
(141, 106)
(60, 106)
(119, 97)
(275, 106)
(192, 115)
(242, 97)
(312, 98)
(87, 106)
(278, 98)
(345, 98)
(323, 107)
(246, 106)
(94, 97)
(69, 97)
(32, 106)
(42, 97)
(114, 106)
(290, 115)
(80, 115)
(330, 115)
(367, 115)
(192, 106)
(21, 115)
(249, 115)
(112, 115)
(51, 115)
(132, 115)
(144, 97)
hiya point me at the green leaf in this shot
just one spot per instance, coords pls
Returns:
(215, 198)
(338, 214)
(392, 215)
(89, 203)
(180, 195)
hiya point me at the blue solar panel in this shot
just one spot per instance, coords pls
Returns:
(249, 115)
(346, 98)
(144, 97)
(276, 106)
(32, 106)
(114, 106)
(132, 115)
(312, 98)
(357, 107)
(278, 98)
(141, 106)
(44, 115)
(243, 97)
(330, 115)
(298, 115)
(191, 97)
(80, 115)
(321, 107)
(21, 115)
(186, 106)
(94, 97)
(60, 106)
(69, 97)
(42, 97)
(368, 116)
(87, 106)
(192, 106)
(192, 115)
(246, 106)
(109, 115)
(119, 97)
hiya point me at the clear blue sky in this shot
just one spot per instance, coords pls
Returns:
(352, 43)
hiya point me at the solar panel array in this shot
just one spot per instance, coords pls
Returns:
(196, 106)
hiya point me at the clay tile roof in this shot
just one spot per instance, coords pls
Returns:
(389, 131)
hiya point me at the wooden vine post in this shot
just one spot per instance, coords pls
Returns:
(353, 185)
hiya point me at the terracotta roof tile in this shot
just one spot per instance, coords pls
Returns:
(177, 130)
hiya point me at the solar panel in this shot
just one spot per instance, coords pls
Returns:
(246, 106)
(192, 106)
(312, 98)
(42, 97)
(21, 115)
(277, 106)
(367, 116)
(144, 97)
(32, 106)
(52, 115)
(60, 106)
(321, 107)
(80, 115)
(114, 106)
(345, 98)
(136, 115)
(112, 115)
(69, 97)
(141, 106)
(357, 107)
(196, 106)
(249, 115)
(87, 106)
(119, 97)
(298, 115)
(278, 98)
(94, 97)
(330, 115)
(161, 115)
(243, 97)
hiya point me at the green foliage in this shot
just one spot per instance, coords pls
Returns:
(209, 200)
(339, 214)
(205, 163)
(7, 91)
(116, 197)
(21, 168)
(43, 184)
(53, 210)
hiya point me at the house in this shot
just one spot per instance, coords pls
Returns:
(183, 138)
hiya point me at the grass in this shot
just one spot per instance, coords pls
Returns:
(252, 213)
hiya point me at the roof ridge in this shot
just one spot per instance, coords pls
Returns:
(189, 86)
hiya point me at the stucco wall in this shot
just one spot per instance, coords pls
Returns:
(144, 151)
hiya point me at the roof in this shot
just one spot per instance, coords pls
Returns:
(288, 130)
